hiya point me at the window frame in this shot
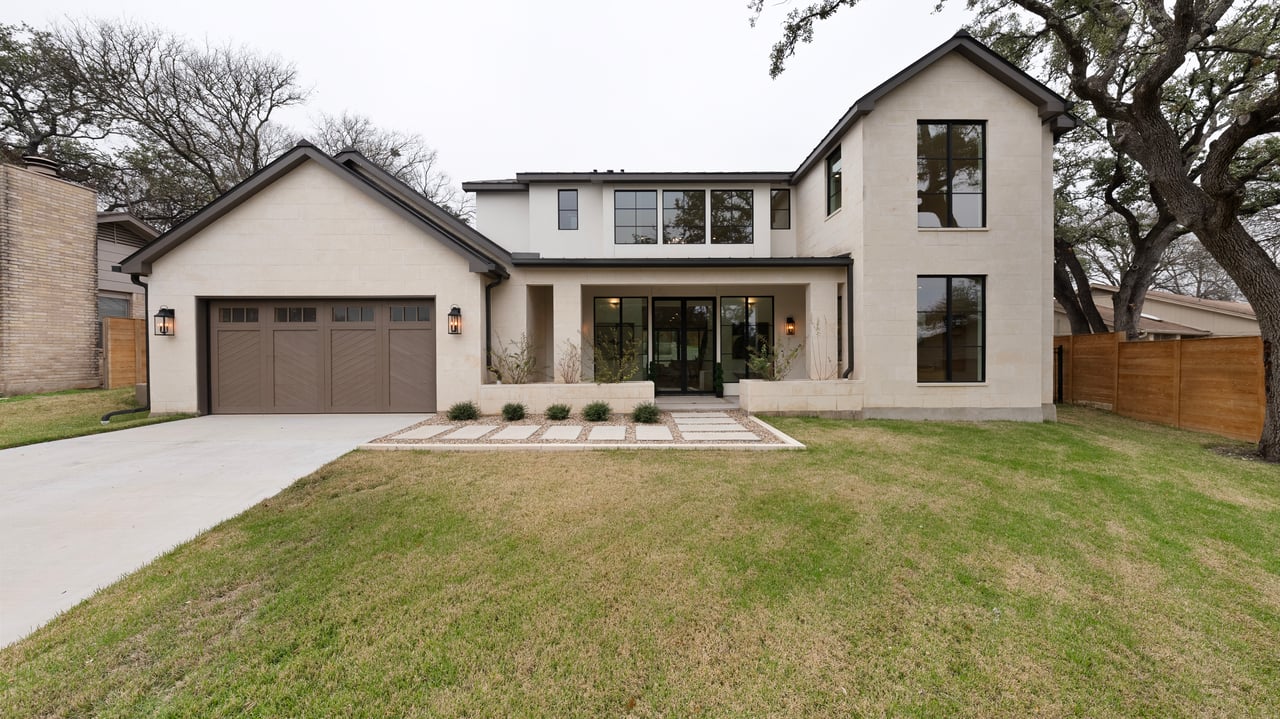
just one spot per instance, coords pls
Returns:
(750, 211)
(835, 184)
(950, 179)
(774, 194)
(751, 331)
(657, 209)
(949, 355)
(563, 212)
(662, 218)
(642, 357)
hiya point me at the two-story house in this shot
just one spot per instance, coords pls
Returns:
(323, 284)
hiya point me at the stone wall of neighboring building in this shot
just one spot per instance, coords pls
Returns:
(48, 283)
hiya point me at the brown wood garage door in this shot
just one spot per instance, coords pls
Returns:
(275, 356)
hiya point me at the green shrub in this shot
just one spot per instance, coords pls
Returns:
(513, 412)
(558, 412)
(463, 411)
(597, 412)
(645, 413)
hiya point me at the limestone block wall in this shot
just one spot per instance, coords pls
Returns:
(536, 397)
(48, 283)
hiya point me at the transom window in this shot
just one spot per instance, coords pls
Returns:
(635, 217)
(780, 209)
(238, 314)
(353, 313)
(950, 329)
(411, 313)
(731, 222)
(568, 208)
(295, 314)
(834, 198)
(951, 174)
(684, 217)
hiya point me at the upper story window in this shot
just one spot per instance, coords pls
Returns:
(568, 209)
(684, 217)
(731, 217)
(833, 181)
(951, 174)
(950, 329)
(780, 210)
(635, 217)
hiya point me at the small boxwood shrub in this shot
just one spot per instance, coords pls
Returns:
(513, 411)
(597, 412)
(463, 411)
(558, 412)
(645, 413)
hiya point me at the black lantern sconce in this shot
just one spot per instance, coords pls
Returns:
(791, 325)
(455, 321)
(164, 322)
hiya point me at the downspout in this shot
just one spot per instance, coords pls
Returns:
(488, 320)
(146, 304)
(849, 317)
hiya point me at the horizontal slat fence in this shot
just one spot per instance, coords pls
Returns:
(125, 342)
(1213, 384)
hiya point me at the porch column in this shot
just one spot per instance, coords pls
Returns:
(566, 310)
(820, 329)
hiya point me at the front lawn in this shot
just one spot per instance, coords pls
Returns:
(1095, 567)
(32, 418)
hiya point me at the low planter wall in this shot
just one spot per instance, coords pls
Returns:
(807, 397)
(622, 396)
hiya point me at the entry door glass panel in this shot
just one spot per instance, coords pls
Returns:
(684, 345)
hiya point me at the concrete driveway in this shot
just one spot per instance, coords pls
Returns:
(77, 514)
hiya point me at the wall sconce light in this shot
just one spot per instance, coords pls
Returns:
(455, 321)
(791, 325)
(164, 322)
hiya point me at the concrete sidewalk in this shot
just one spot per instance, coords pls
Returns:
(77, 514)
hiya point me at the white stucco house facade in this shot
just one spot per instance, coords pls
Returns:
(322, 284)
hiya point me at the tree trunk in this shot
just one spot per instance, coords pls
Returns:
(1071, 290)
(1136, 279)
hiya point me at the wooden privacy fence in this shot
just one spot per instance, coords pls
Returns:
(1214, 384)
(124, 343)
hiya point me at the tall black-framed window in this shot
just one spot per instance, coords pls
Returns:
(834, 198)
(950, 328)
(621, 324)
(568, 209)
(635, 217)
(746, 324)
(684, 217)
(780, 209)
(731, 217)
(951, 173)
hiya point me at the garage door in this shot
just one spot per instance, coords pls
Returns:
(272, 356)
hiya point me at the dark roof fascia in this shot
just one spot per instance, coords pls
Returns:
(494, 186)
(694, 262)
(615, 177)
(1053, 108)
(140, 228)
(140, 261)
(450, 225)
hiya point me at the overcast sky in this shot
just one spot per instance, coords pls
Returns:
(506, 86)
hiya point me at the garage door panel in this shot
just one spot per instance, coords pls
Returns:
(354, 372)
(238, 377)
(412, 369)
(296, 370)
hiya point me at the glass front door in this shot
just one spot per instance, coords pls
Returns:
(684, 345)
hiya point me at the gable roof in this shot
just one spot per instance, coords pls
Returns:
(144, 231)
(480, 256)
(1054, 109)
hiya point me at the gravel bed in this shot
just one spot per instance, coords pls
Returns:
(617, 420)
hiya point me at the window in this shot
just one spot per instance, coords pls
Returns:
(780, 210)
(746, 324)
(109, 306)
(411, 313)
(295, 314)
(353, 313)
(833, 181)
(635, 217)
(622, 326)
(731, 217)
(238, 314)
(950, 329)
(951, 174)
(568, 209)
(684, 217)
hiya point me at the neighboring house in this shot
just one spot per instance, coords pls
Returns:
(323, 284)
(1169, 316)
(120, 234)
(48, 281)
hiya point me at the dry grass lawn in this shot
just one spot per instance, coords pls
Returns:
(1096, 567)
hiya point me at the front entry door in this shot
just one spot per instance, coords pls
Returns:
(684, 343)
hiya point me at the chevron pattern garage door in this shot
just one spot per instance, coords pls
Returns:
(298, 356)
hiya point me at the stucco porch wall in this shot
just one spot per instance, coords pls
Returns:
(536, 397)
(812, 398)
